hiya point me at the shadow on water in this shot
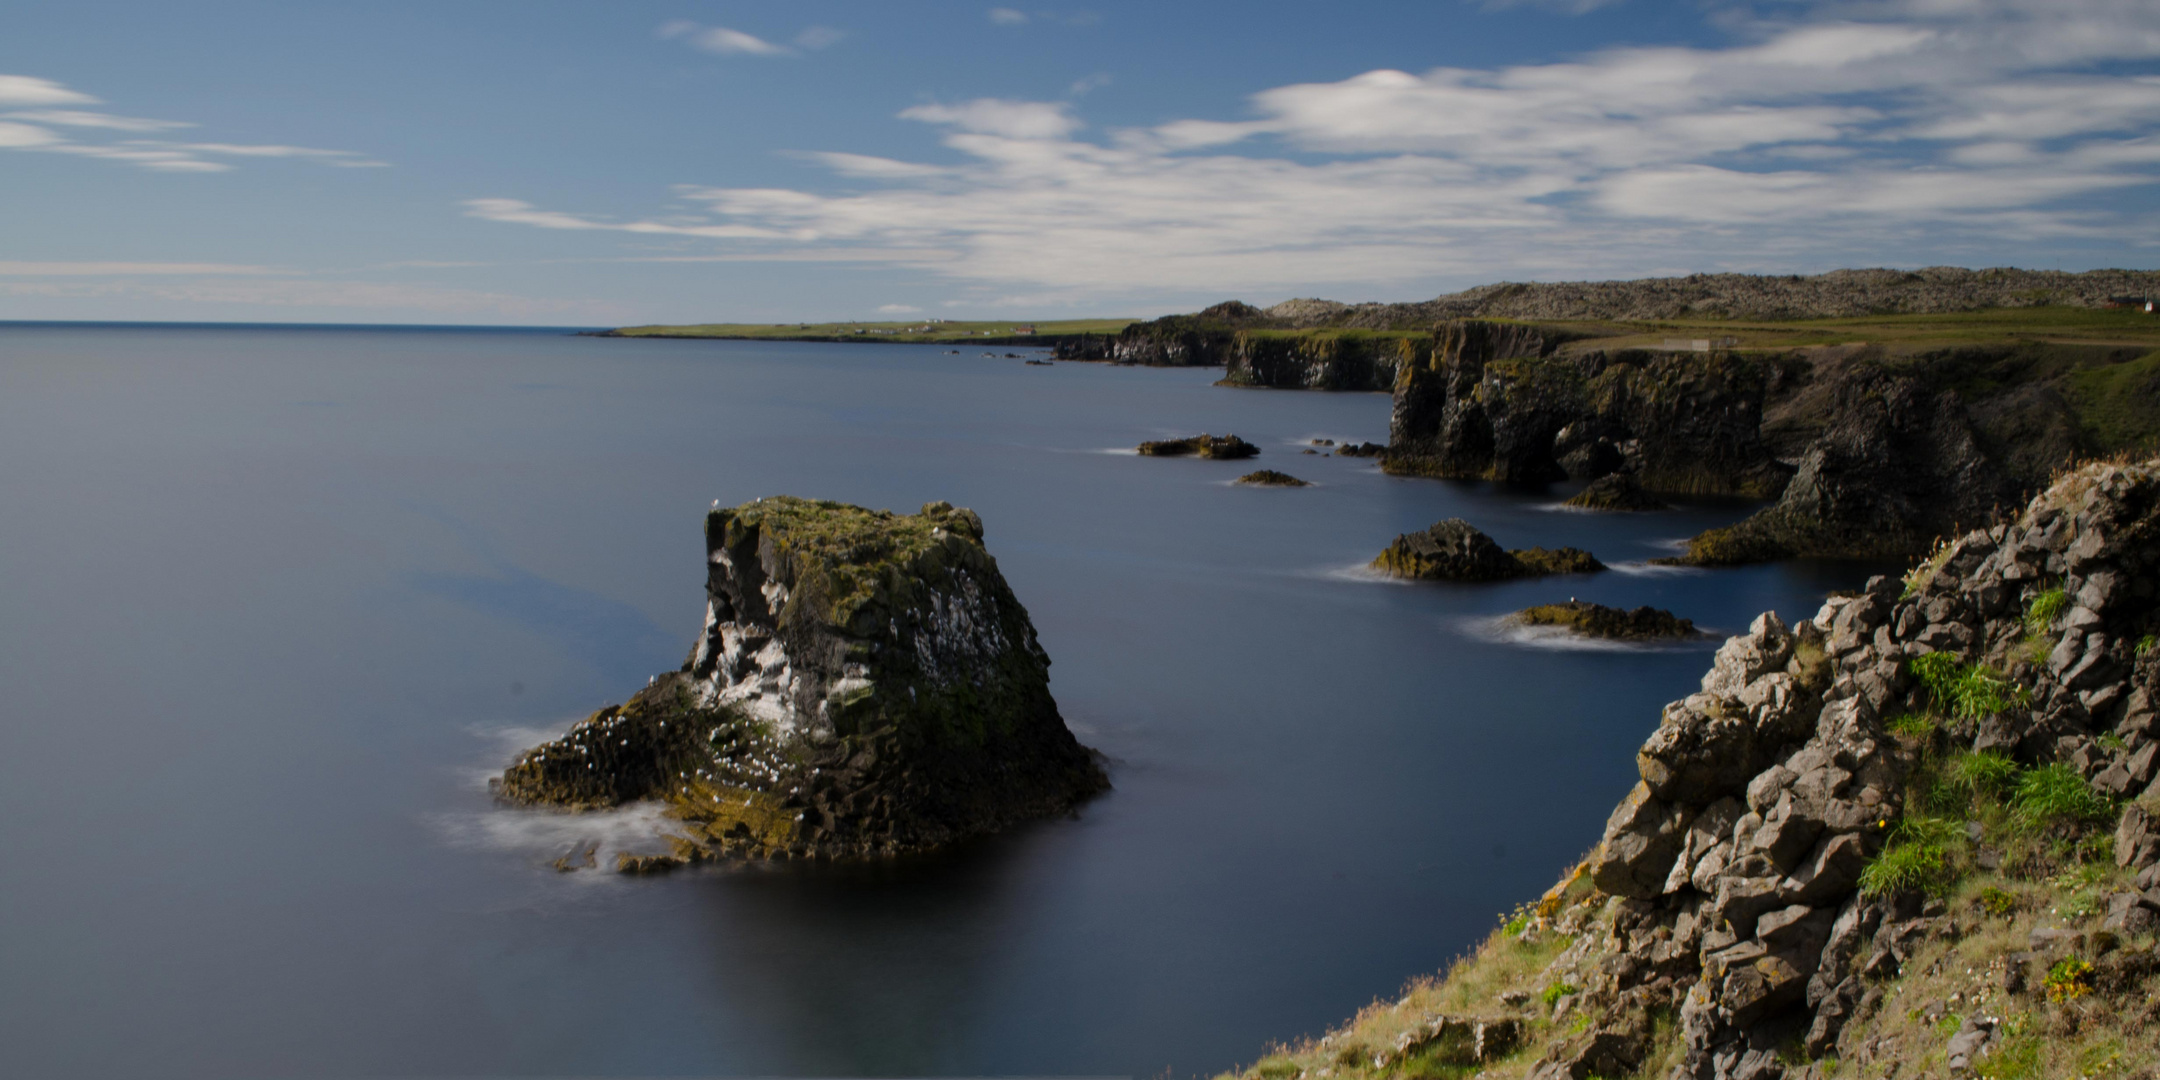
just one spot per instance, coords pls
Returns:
(878, 969)
(616, 638)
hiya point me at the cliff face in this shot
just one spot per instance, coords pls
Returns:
(865, 682)
(1335, 362)
(1202, 339)
(1919, 828)
(1490, 401)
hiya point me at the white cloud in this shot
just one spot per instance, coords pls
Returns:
(819, 37)
(78, 118)
(27, 90)
(1005, 16)
(897, 309)
(1851, 133)
(995, 116)
(1088, 84)
(15, 136)
(721, 41)
(152, 154)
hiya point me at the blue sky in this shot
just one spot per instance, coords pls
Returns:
(598, 164)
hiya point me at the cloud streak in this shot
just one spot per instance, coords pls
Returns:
(1856, 132)
(33, 129)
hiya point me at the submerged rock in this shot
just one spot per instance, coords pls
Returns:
(1271, 478)
(1597, 620)
(865, 683)
(1618, 492)
(1454, 550)
(1222, 447)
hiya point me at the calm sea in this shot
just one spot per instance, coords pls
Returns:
(274, 601)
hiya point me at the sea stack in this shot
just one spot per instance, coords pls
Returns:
(865, 683)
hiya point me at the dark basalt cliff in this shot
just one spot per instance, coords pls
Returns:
(1492, 401)
(1916, 833)
(866, 683)
(1201, 339)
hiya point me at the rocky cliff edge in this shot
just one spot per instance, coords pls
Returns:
(1914, 834)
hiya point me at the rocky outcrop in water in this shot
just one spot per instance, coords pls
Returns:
(865, 683)
(1217, 447)
(1879, 835)
(1271, 478)
(1619, 493)
(1597, 620)
(1491, 401)
(1454, 550)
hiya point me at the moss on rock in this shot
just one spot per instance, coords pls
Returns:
(1598, 620)
(1454, 550)
(866, 682)
(1619, 492)
(1220, 447)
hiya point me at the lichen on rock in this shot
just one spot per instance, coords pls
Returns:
(1597, 620)
(1220, 447)
(865, 683)
(1454, 550)
(1618, 492)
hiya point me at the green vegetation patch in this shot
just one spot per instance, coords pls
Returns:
(1967, 691)
(2118, 405)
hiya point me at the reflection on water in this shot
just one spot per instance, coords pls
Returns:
(276, 600)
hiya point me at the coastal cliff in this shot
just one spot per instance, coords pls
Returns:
(865, 683)
(1492, 401)
(1916, 833)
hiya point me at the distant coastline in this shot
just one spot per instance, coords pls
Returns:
(918, 332)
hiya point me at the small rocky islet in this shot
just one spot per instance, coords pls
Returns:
(865, 683)
(1643, 623)
(1454, 550)
(1271, 478)
(1216, 447)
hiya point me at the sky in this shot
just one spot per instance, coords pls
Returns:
(581, 164)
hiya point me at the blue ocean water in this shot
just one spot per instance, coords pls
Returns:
(274, 601)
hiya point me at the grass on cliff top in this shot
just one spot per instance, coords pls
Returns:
(918, 331)
(2106, 326)
(852, 545)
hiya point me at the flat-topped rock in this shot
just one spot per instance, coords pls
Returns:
(1618, 492)
(1223, 447)
(1454, 550)
(865, 683)
(1597, 620)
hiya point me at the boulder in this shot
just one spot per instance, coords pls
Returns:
(865, 683)
(1597, 620)
(1271, 478)
(1219, 447)
(1454, 550)
(1618, 492)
